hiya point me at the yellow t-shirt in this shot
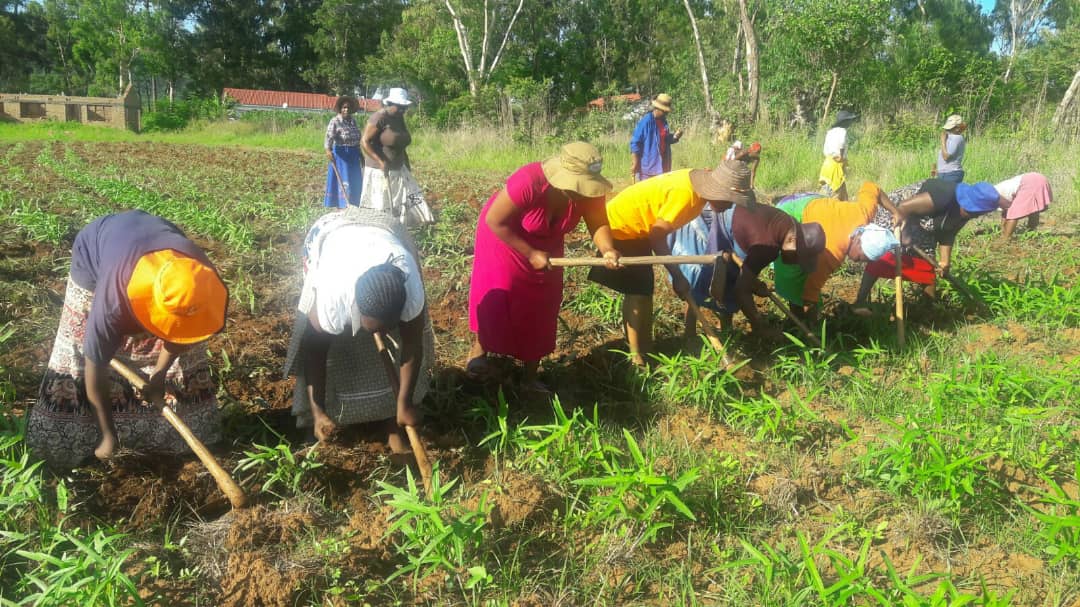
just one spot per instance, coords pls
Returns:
(670, 197)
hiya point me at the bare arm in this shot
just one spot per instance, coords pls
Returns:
(501, 217)
(367, 139)
(658, 240)
(316, 345)
(412, 357)
(886, 203)
(596, 220)
(97, 390)
(945, 146)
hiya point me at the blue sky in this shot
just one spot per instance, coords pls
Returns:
(987, 5)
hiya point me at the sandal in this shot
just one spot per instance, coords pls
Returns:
(480, 369)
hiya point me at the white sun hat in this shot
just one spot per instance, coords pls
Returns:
(397, 96)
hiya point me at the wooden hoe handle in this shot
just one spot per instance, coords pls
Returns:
(224, 482)
(646, 260)
(417, 445)
(900, 337)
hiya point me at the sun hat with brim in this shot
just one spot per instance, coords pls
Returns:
(728, 182)
(177, 298)
(397, 96)
(662, 102)
(875, 241)
(953, 121)
(976, 198)
(809, 243)
(844, 116)
(577, 168)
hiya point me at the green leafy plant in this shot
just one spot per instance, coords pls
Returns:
(1061, 520)
(633, 490)
(277, 466)
(928, 460)
(436, 534)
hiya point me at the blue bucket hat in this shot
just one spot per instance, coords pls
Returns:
(875, 240)
(977, 198)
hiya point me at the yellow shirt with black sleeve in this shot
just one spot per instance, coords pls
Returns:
(634, 211)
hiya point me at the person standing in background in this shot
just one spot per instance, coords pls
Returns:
(950, 160)
(342, 145)
(650, 145)
(391, 187)
(833, 176)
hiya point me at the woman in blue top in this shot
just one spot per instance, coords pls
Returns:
(650, 145)
(950, 160)
(342, 145)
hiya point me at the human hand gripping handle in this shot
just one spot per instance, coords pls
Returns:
(224, 482)
(403, 416)
(539, 260)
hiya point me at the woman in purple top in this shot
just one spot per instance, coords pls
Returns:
(515, 294)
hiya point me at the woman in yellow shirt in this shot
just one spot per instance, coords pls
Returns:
(643, 215)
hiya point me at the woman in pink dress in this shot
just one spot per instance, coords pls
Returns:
(515, 294)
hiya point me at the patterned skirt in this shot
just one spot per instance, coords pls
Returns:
(396, 192)
(357, 387)
(61, 427)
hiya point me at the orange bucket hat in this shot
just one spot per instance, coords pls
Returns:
(177, 298)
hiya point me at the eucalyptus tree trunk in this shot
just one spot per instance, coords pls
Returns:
(752, 78)
(701, 63)
(1069, 103)
(478, 73)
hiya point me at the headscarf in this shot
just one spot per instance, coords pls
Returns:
(875, 240)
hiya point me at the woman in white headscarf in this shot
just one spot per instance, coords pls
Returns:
(389, 185)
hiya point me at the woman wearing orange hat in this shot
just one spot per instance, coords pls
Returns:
(141, 292)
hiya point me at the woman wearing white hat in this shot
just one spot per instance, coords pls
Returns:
(389, 185)
(950, 160)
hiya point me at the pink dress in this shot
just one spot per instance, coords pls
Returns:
(513, 308)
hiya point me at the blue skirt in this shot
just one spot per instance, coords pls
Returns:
(347, 159)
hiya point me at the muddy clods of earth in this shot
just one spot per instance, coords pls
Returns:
(144, 492)
(260, 555)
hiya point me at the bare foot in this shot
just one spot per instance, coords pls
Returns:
(106, 448)
(397, 442)
(325, 430)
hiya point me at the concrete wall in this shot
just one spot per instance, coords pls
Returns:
(124, 112)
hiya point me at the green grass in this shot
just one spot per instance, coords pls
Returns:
(852, 474)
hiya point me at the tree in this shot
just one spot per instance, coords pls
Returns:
(345, 33)
(814, 45)
(1020, 22)
(746, 26)
(107, 39)
(479, 70)
(709, 110)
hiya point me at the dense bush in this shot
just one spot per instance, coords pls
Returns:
(175, 115)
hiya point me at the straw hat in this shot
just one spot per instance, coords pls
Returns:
(177, 298)
(728, 182)
(577, 168)
(662, 102)
(953, 121)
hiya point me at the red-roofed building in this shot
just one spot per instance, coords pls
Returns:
(600, 102)
(252, 99)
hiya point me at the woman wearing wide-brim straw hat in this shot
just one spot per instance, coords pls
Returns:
(389, 185)
(515, 294)
(141, 292)
(950, 156)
